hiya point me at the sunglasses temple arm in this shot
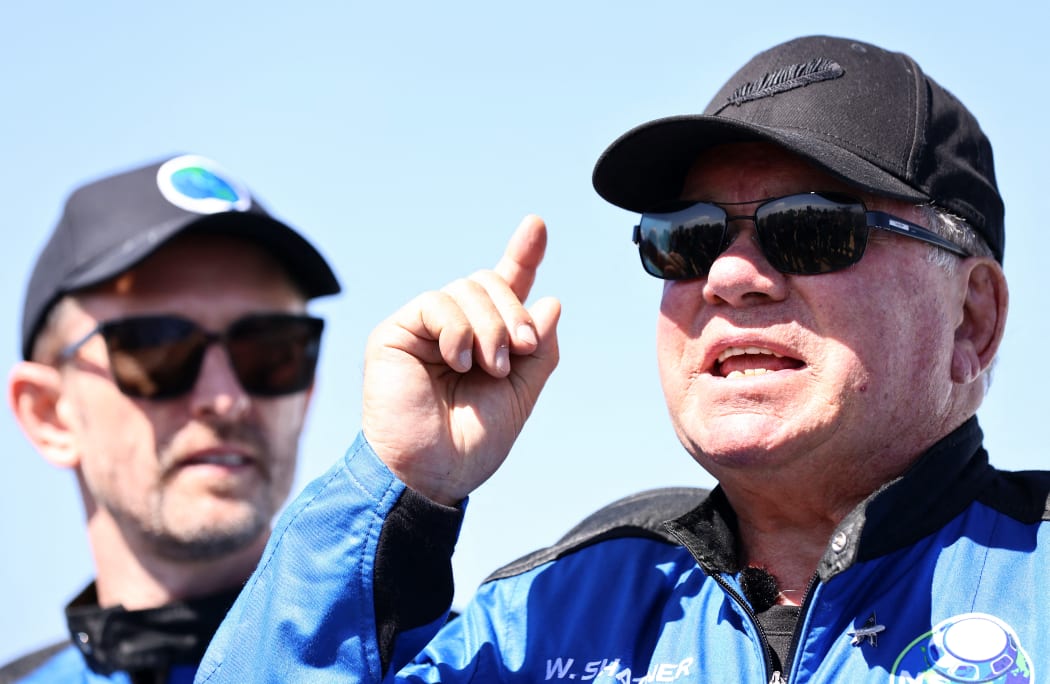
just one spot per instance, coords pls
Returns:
(894, 224)
(67, 353)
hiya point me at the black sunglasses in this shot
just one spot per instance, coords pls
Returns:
(159, 357)
(805, 234)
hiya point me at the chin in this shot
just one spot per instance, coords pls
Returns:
(739, 441)
(214, 536)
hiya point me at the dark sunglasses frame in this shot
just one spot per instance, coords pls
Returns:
(820, 258)
(170, 352)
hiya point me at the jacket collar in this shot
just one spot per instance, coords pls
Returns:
(112, 639)
(937, 487)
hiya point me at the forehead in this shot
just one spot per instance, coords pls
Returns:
(742, 172)
(202, 276)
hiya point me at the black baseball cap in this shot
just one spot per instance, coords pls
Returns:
(864, 114)
(111, 224)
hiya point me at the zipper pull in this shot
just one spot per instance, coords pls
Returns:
(777, 679)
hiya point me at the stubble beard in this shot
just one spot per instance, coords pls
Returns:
(180, 532)
(206, 542)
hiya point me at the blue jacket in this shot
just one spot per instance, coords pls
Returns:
(937, 577)
(111, 645)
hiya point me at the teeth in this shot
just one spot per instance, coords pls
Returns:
(740, 351)
(749, 371)
(223, 459)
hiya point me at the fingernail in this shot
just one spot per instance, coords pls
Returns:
(503, 360)
(466, 359)
(526, 334)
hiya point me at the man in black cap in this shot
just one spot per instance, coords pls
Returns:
(831, 236)
(169, 361)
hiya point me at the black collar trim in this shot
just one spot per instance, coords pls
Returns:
(114, 639)
(939, 486)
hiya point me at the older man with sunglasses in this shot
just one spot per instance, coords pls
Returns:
(169, 361)
(831, 236)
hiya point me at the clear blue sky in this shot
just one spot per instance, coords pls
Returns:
(407, 140)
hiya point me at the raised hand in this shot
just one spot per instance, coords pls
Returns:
(451, 378)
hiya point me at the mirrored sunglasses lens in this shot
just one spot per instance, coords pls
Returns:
(682, 244)
(811, 234)
(154, 357)
(275, 355)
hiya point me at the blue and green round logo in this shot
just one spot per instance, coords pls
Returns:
(198, 184)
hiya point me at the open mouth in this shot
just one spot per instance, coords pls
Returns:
(225, 459)
(741, 362)
(230, 460)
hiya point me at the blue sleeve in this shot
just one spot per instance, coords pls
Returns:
(354, 582)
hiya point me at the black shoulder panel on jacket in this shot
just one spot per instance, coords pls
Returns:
(25, 665)
(637, 515)
(1022, 495)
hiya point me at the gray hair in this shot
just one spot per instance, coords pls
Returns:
(957, 230)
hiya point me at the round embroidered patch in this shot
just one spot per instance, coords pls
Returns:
(973, 647)
(198, 184)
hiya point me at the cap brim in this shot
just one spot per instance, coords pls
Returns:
(647, 165)
(304, 263)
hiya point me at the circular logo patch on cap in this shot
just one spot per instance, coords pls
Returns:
(198, 184)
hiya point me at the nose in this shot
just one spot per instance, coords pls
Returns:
(741, 275)
(217, 391)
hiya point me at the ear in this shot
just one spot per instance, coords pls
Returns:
(983, 321)
(34, 391)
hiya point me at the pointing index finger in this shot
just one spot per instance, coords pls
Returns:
(523, 255)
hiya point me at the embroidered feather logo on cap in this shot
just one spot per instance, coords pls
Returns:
(198, 184)
(786, 78)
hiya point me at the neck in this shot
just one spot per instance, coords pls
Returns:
(789, 552)
(786, 515)
(784, 526)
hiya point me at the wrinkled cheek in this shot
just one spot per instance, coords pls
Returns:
(675, 374)
(686, 408)
(837, 381)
